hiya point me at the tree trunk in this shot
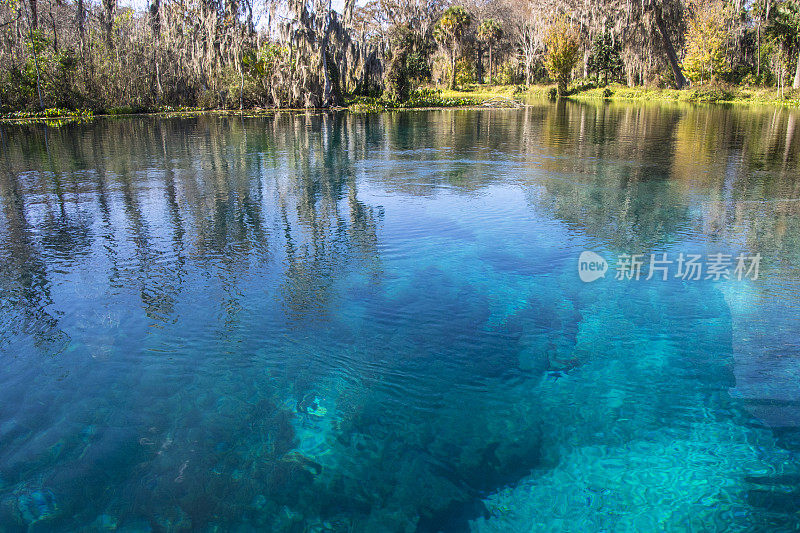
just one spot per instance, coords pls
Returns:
(796, 83)
(327, 88)
(158, 83)
(34, 15)
(491, 69)
(109, 7)
(586, 54)
(81, 22)
(563, 83)
(680, 80)
(453, 71)
(479, 63)
(758, 50)
(155, 18)
(527, 71)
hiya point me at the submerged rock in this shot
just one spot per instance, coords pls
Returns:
(304, 462)
(312, 405)
(36, 506)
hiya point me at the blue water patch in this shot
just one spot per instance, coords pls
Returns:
(343, 323)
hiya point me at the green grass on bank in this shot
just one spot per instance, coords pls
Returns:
(420, 98)
(485, 92)
(59, 117)
(470, 96)
(703, 94)
(473, 95)
(53, 116)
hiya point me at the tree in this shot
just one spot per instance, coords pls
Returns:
(449, 32)
(526, 33)
(562, 52)
(490, 31)
(657, 10)
(604, 58)
(784, 29)
(706, 40)
(647, 29)
(398, 84)
(789, 11)
(107, 18)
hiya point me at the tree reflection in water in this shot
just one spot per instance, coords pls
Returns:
(372, 321)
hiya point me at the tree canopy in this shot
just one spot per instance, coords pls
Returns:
(101, 55)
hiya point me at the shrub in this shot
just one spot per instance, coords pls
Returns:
(706, 43)
(120, 110)
(562, 53)
(710, 94)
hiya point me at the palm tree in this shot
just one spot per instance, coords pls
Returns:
(449, 31)
(490, 32)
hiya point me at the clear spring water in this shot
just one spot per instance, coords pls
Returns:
(332, 322)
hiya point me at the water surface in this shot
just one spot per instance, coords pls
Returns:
(333, 322)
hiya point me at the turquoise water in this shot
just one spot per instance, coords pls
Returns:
(332, 322)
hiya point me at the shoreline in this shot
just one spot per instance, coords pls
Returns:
(753, 96)
(478, 97)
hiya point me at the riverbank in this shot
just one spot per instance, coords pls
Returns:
(480, 95)
(504, 96)
(719, 94)
(704, 94)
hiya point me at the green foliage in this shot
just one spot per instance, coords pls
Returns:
(562, 53)
(52, 116)
(142, 66)
(398, 83)
(398, 80)
(452, 24)
(490, 31)
(710, 94)
(178, 110)
(124, 110)
(367, 104)
(264, 62)
(419, 98)
(254, 85)
(35, 42)
(449, 31)
(408, 62)
(784, 34)
(434, 98)
(705, 94)
(54, 70)
(465, 73)
(604, 60)
(784, 26)
(508, 75)
(418, 66)
(706, 40)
